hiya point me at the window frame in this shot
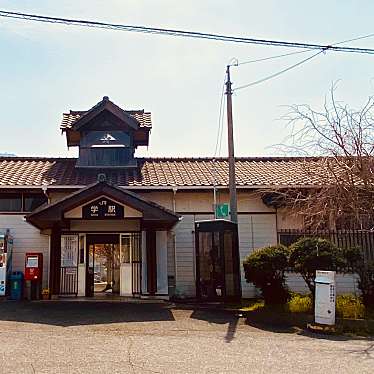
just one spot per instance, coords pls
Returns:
(22, 195)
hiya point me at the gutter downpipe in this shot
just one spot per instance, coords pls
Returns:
(175, 189)
(45, 192)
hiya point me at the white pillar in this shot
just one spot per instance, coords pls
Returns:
(81, 280)
(125, 271)
(82, 267)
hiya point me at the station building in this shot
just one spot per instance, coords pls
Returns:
(108, 222)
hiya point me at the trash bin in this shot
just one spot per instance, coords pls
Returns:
(16, 285)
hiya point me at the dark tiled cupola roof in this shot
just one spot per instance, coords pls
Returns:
(142, 117)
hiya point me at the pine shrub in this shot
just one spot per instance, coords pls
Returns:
(265, 268)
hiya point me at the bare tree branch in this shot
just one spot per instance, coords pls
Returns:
(343, 140)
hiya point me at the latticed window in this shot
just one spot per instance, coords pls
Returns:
(69, 250)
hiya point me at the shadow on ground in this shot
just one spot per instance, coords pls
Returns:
(219, 317)
(74, 313)
(294, 324)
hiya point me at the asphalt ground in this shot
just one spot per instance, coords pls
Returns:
(113, 337)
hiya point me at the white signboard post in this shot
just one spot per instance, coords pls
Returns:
(325, 297)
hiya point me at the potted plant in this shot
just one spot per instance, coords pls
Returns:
(45, 294)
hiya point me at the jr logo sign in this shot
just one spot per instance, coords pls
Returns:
(102, 208)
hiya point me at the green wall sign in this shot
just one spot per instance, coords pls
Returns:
(222, 210)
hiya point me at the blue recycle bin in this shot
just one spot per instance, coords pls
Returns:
(16, 285)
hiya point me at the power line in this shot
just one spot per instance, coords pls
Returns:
(277, 73)
(304, 51)
(218, 143)
(221, 134)
(220, 115)
(271, 57)
(355, 39)
(180, 33)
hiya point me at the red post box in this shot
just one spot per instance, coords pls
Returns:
(34, 267)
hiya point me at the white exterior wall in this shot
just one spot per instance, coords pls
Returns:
(26, 239)
(255, 231)
(185, 257)
(257, 228)
(345, 283)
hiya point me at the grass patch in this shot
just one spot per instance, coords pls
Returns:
(300, 304)
(347, 306)
(352, 318)
(251, 307)
(247, 305)
(350, 306)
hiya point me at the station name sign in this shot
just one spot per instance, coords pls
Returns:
(102, 208)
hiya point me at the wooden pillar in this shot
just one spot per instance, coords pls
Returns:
(55, 261)
(151, 262)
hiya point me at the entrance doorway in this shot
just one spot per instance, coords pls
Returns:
(102, 264)
(104, 261)
(113, 264)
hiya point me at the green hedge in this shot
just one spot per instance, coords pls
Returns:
(265, 269)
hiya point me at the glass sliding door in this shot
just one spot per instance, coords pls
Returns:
(115, 269)
(90, 270)
(104, 267)
(231, 279)
(217, 260)
(125, 266)
(130, 264)
(112, 264)
(210, 266)
(102, 264)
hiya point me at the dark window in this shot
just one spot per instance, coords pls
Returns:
(102, 157)
(33, 201)
(289, 237)
(106, 149)
(10, 202)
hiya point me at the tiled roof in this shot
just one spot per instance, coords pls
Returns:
(160, 172)
(68, 119)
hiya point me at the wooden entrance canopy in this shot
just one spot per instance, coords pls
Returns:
(54, 217)
(153, 216)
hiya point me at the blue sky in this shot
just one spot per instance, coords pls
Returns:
(48, 69)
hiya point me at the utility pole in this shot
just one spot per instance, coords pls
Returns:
(232, 180)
